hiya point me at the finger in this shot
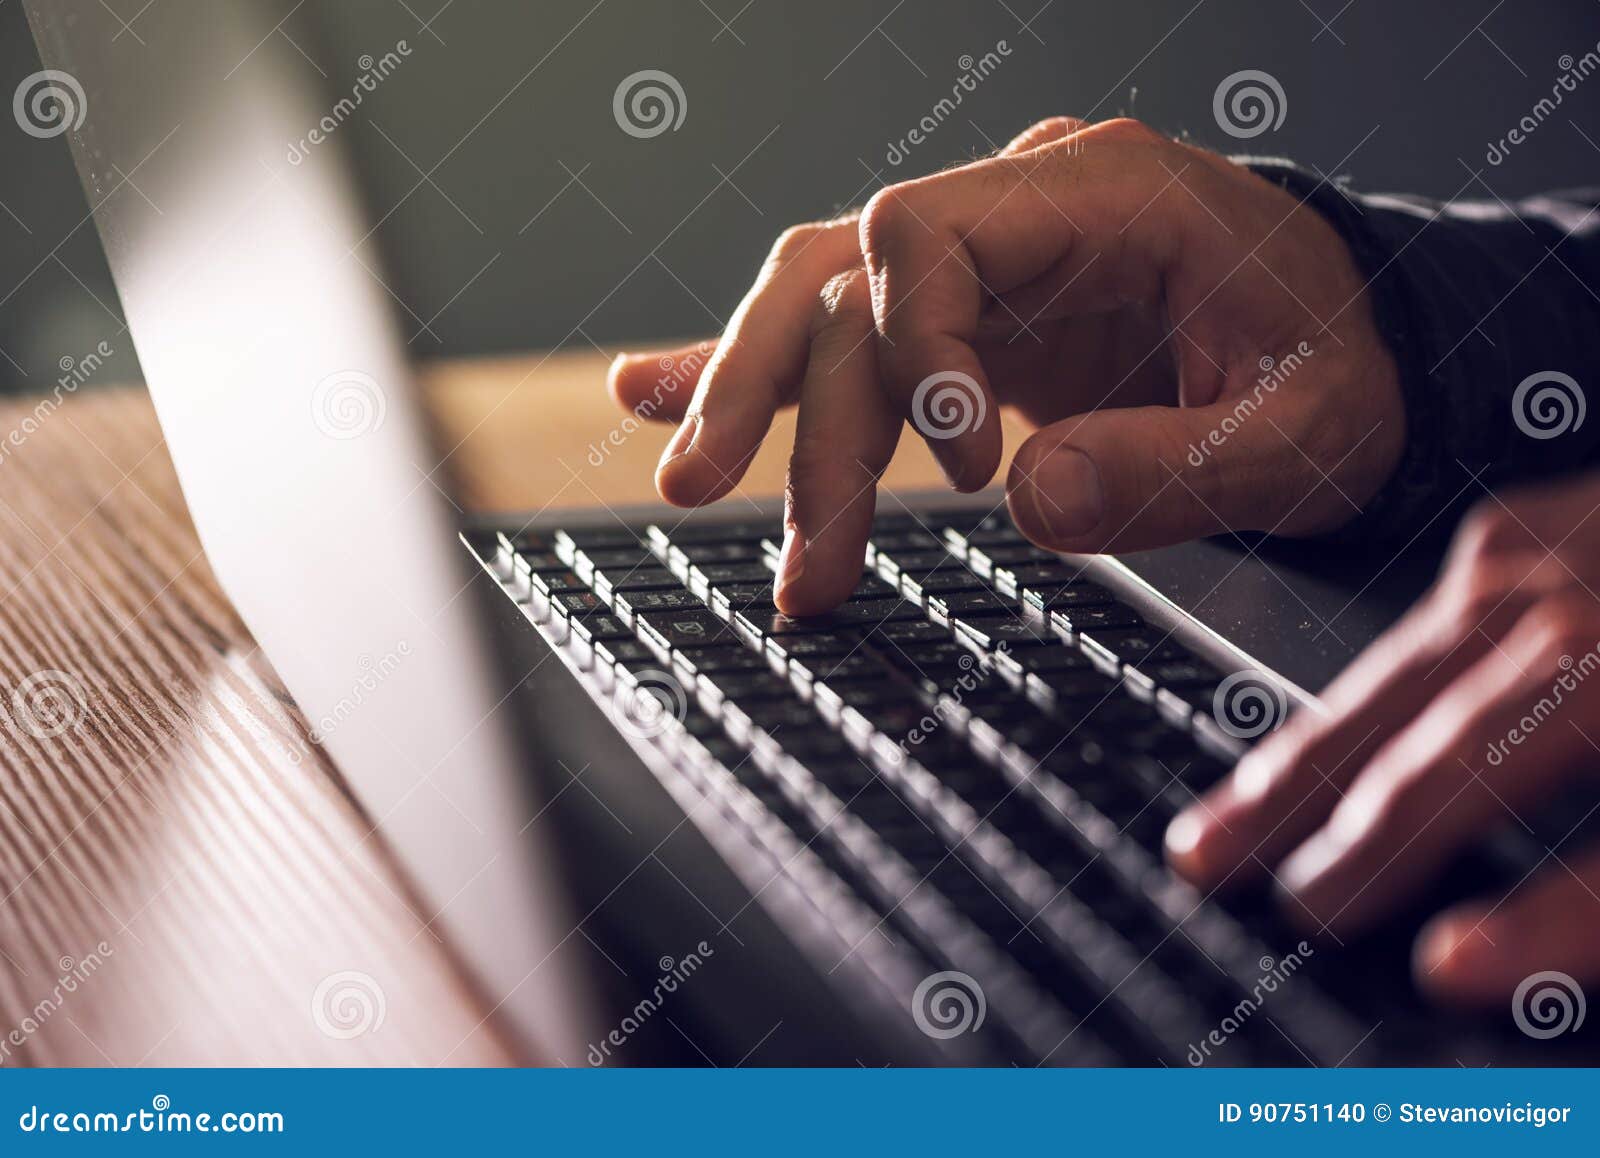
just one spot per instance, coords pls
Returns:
(845, 436)
(1481, 952)
(940, 248)
(757, 365)
(1130, 478)
(1282, 791)
(656, 385)
(1498, 740)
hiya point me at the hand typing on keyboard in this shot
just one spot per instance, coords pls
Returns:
(1151, 307)
(1476, 708)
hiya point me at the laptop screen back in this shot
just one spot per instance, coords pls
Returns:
(245, 271)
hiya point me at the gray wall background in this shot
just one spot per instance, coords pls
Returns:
(540, 223)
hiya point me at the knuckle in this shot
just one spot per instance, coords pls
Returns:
(1488, 530)
(846, 295)
(1567, 624)
(884, 216)
(1128, 129)
(794, 241)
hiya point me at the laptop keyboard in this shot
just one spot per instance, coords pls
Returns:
(984, 746)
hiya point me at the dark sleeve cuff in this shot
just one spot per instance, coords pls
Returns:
(1472, 299)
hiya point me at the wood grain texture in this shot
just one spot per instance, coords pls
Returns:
(183, 879)
(180, 870)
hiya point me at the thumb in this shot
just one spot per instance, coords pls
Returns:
(1149, 476)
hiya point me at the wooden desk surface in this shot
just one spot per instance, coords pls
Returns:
(183, 879)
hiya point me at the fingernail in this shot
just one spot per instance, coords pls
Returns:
(682, 440)
(792, 559)
(1306, 865)
(1067, 499)
(1184, 833)
(1453, 946)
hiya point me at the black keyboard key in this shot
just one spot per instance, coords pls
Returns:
(593, 629)
(985, 560)
(631, 604)
(992, 631)
(907, 541)
(856, 667)
(776, 716)
(744, 687)
(1015, 577)
(835, 643)
(693, 661)
(1129, 646)
(867, 613)
(607, 583)
(707, 575)
(1076, 593)
(919, 563)
(577, 603)
(675, 629)
(1045, 659)
(942, 608)
(537, 560)
(911, 631)
(569, 541)
(917, 587)
(548, 583)
(1076, 619)
(628, 652)
(712, 531)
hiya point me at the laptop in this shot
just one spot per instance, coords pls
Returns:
(657, 821)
